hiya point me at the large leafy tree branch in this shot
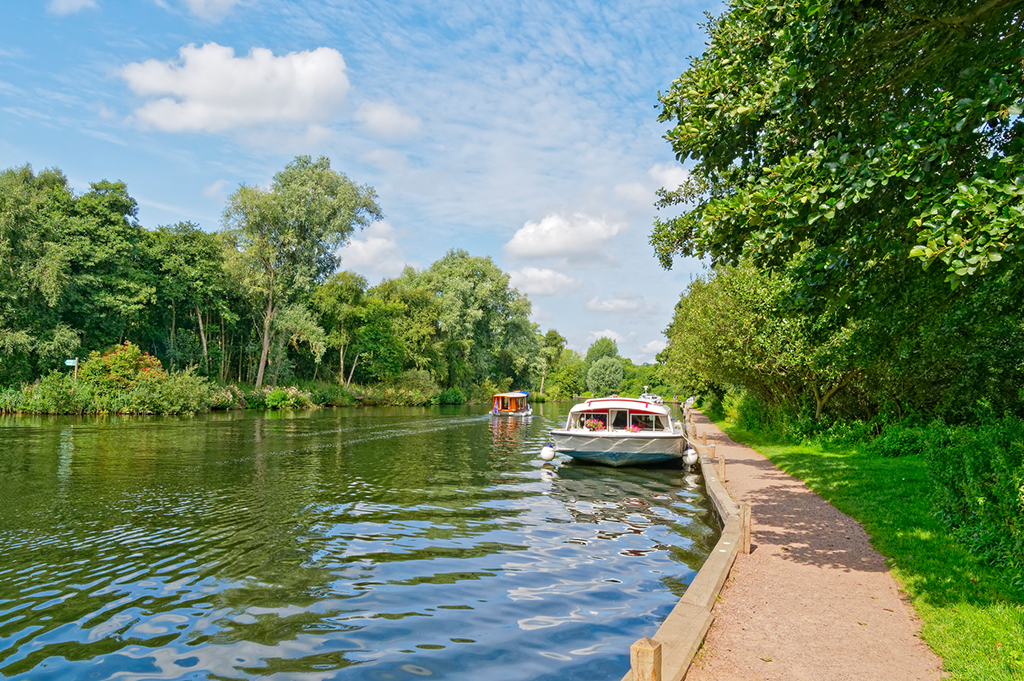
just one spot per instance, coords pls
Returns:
(839, 138)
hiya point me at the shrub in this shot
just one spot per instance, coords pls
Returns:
(900, 440)
(978, 473)
(331, 395)
(123, 380)
(55, 393)
(277, 399)
(119, 368)
(272, 397)
(451, 396)
(227, 397)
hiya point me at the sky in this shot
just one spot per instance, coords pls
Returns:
(524, 131)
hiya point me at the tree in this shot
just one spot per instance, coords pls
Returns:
(604, 376)
(484, 324)
(190, 264)
(602, 347)
(376, 342)
(418, 328)
(34, 272)
(551, 346)
(569, 376)
(853, 141)
(111, 281)
(338, 301)
(288, 235)
(732, 328)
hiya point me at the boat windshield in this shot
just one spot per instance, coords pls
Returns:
(620, 419)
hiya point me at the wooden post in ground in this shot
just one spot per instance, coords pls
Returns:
(745, 528)
(712, 453)
(645, 660)
(704, 438)
(721, 468)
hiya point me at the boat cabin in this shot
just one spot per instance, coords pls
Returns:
(510, 403)
(623, 415)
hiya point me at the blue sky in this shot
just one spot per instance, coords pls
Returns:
(524, 131)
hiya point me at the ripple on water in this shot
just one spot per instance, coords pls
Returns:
(388, 543)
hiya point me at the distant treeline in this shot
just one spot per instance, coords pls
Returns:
(261, 301)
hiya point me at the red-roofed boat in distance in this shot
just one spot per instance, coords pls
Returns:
(512, 404)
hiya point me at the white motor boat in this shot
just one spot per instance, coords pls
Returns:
(621, 431)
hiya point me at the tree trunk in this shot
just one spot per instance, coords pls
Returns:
(354, 362)
(202, 337)
(268, 317)
(341, 365)
(174, 312)
(821, 400)
(277, 358)
(542, 379)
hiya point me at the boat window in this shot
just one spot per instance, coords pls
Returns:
(643, 421)
(620, 419)
(592, 416)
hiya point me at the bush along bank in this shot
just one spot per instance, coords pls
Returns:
(126, 380)
(122, 380)
(943, 503)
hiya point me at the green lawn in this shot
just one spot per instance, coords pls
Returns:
(970, 616)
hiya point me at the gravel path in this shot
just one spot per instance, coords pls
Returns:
(813, 600)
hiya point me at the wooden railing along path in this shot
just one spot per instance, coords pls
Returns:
(667, 656)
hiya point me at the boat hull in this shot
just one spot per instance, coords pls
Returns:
(500, 414)
(620, 449)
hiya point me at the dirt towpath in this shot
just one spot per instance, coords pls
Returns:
(813, 600)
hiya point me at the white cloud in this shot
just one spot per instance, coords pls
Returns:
(625, 305)
(211, 9)
(635, 192)
(649, 350)
(654, 347)
(607, 333)
(386, 159)
(210, 89)
(214, 189)
(377, 254)
(62, 7)
(541, 281)
(579, 237)
(387, 120)
(668, 175)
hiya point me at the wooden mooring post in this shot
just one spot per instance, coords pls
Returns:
(704, 438)
(645, 660)
(721, 468)
(745, 528)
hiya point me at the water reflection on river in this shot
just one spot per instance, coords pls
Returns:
(348, 544)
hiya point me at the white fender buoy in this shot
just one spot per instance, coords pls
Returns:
(690, 456)
(547, 452)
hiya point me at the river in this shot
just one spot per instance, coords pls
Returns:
(362, 543)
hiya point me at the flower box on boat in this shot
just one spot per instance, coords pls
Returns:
(621, 431)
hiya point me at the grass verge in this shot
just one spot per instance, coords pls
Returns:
(970, 616)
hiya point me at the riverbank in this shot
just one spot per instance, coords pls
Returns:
(813, 600)
(968, 616)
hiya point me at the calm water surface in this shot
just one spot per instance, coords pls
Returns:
(332, 544)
